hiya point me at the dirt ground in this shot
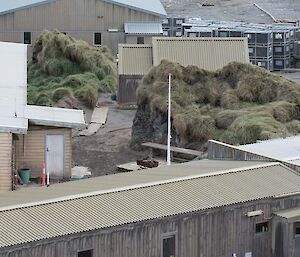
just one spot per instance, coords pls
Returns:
(233, 10)
(109, 147)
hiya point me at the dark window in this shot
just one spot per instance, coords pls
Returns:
(297, 229)
(169, 246)
(65, 33)
(87, 253)
(97, 39)
(262, 227)
(140, 40)
(27, 38)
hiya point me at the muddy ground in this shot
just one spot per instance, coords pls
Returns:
(108, 148)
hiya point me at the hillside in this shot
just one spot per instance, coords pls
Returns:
(240, 103)
(63, 69)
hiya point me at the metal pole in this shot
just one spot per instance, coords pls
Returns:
(48, 177)
(169, 124)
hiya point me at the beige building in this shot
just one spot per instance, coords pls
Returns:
(207, 53)
(30, 135)
(98, 22)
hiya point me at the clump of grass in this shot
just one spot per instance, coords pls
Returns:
(60, 93)
(88, 95)
(240, 103)
(60, 61)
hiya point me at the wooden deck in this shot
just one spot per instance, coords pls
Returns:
(173, 149)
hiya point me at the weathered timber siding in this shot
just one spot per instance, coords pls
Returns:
(5, 162)
(221, 151)
(128, 85)
(79, 17)
(211, 233)
(30, 149)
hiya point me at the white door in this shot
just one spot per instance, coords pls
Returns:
(55, 155)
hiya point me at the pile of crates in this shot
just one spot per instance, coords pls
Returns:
(270, 45)
(172, 27)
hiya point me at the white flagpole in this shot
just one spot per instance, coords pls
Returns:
(169, 125)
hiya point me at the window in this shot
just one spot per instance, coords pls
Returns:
(97, 39)
(140, 40)
(168, 245)
(297, 229)
(179, 22)
(278, 49)
(27, 38)
(262, 227)
(86, 253)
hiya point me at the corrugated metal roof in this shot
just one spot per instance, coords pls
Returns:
(142, 202)
(282, 149)
(134, 59)
(13, 87)
(9, 6)
(292, 215)
(206, 53)
(49, 116)
(152, 28)
(153, 7)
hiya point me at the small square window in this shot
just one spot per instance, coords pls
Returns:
(27, 38)
(97, 39)
(262, 227)
(297, 229)
(86, 253)
(140, 40)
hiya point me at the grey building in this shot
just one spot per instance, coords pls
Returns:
(285, 150)
(99, 22)
(204, 208)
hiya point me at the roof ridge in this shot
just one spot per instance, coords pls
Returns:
(138, 186)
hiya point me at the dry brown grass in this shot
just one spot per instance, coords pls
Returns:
(240, 103)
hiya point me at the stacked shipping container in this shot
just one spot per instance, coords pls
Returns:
(270, 46)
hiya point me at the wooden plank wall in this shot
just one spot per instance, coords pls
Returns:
(30, 149)
(80, 18)
(217, 232)
(5, 162)
(128, 85)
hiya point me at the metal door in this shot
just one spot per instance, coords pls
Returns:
(55, 155)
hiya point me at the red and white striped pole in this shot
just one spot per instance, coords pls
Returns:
(44, 174)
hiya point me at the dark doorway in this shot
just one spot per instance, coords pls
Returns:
(169, 246)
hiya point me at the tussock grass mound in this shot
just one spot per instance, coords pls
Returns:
(240, 103)
(61, 62)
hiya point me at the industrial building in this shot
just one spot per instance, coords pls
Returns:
(284, 150)
(98, 22)
(30, 135)
(207, 53)
(202, 208)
